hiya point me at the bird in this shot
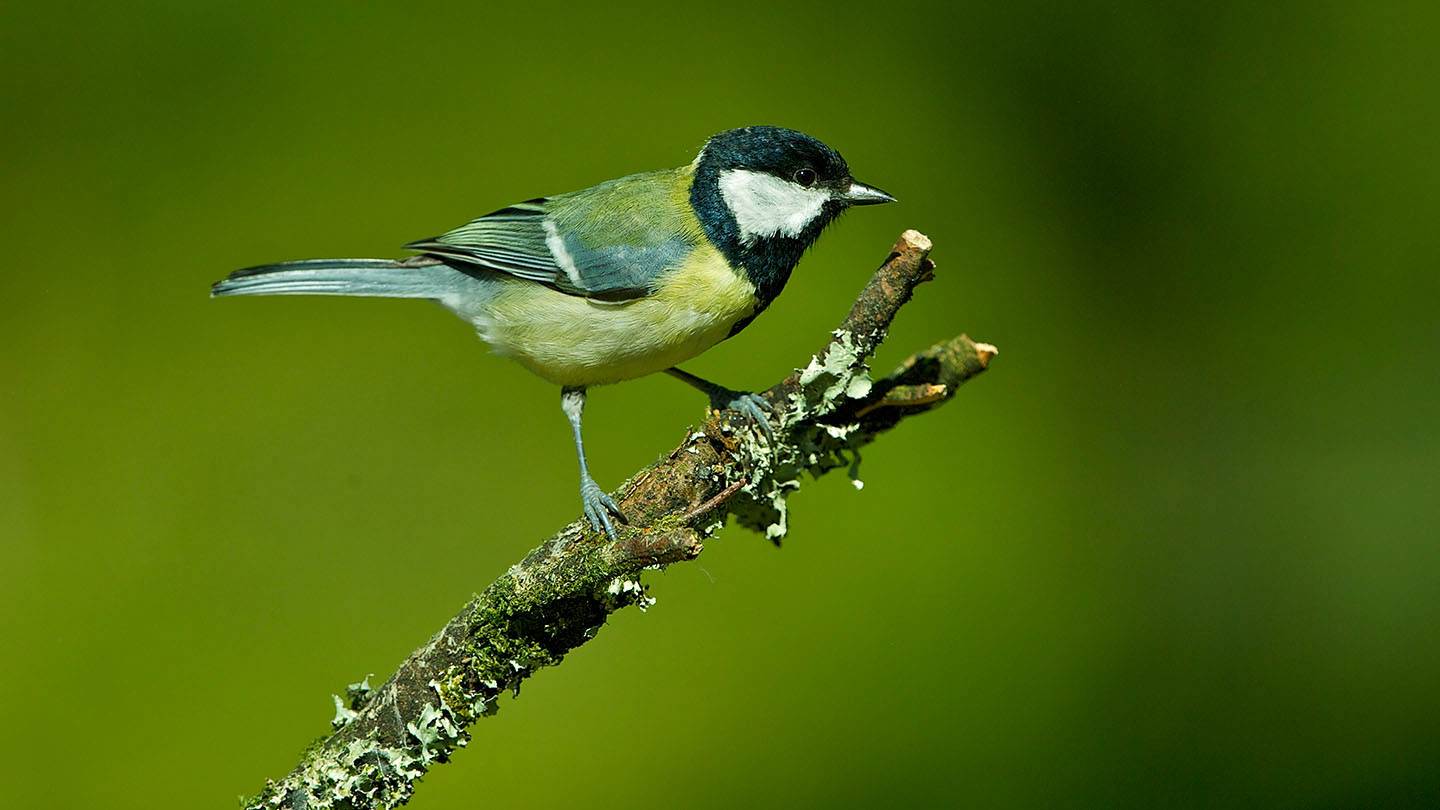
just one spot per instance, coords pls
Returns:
(620, 280)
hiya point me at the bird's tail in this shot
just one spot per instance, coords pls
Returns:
(418, 277)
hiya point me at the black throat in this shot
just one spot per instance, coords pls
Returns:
(766, 261)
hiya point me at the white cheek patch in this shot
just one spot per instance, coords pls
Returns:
(765, 205)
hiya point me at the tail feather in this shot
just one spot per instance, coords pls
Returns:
(414, 278)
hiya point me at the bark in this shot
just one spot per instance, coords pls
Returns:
(556, 598)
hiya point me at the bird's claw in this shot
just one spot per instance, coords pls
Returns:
(599, 507)
(754, 406)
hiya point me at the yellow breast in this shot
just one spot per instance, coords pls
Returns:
(577, 342)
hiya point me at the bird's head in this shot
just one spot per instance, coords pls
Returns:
(762, 183)
(763, 194)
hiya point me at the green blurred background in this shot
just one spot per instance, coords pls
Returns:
(1178, 548)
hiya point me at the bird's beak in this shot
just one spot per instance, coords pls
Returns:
(861, 194)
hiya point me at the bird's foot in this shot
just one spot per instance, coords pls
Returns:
(755, 407)
(599, 507)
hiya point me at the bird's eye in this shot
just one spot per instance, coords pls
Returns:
(805, 177)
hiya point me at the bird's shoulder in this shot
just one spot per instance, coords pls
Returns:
(650, 208)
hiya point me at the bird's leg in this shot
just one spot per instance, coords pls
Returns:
(598, 506)
(754, 406)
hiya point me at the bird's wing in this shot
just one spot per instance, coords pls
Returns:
(612, 242)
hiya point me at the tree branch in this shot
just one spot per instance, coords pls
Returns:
(558, 596)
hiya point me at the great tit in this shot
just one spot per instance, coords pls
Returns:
(619, 280)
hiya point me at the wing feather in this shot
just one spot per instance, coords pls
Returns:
(611, 242)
